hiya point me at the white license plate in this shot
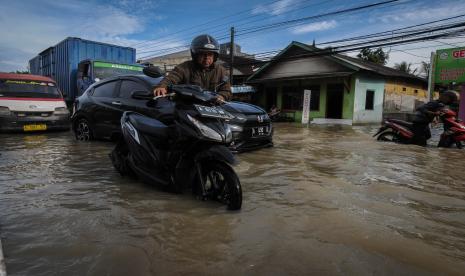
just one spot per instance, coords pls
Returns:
(260, 131)
(212, 112)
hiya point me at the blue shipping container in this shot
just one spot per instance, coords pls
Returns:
(60, 62)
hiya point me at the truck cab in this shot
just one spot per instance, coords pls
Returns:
(91, 71)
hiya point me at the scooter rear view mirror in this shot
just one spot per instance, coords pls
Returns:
(152, 71)
(141, 95)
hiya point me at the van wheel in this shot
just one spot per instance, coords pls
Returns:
(82, 130)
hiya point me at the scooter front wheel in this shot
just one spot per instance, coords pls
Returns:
(389, 136)
(222, 184)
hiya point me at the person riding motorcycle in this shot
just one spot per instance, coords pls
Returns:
(202, 70)
(426, 113)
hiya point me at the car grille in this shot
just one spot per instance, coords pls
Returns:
(32, 114)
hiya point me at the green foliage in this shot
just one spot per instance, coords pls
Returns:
(376, 56)
(404, 67)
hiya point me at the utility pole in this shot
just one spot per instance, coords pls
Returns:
(231, 54)
(431, 77)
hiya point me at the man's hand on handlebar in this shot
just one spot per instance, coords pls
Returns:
(220, 99)
(160, 91)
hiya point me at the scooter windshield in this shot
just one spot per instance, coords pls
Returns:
(193, 91)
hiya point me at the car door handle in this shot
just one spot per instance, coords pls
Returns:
(116, 103)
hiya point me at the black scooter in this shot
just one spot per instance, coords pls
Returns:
(189, 152)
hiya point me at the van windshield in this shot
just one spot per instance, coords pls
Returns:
(28, 89)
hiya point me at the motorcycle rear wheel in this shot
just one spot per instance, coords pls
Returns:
(389, 136)
(222, 184)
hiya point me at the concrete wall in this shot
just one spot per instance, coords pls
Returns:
(362, 84)
(403, 96)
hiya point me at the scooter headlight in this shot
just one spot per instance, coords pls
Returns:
(206, 131)
(228, 132)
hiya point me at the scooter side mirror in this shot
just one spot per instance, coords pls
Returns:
(141, 95)
(224, 80)
(152, 71)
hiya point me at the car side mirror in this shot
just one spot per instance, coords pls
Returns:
(141, 95)
(152, 71)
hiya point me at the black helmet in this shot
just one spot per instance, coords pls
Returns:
(451, 95)
(204, 43)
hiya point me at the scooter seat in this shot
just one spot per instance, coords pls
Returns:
(400, 122)
(149, 126)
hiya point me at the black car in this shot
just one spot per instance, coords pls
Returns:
(97, 113)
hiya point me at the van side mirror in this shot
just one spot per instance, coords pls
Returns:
(142, 95)
(152, 71)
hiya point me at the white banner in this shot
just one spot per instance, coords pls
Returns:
(306, 108)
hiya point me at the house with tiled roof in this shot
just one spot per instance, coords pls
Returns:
(343, 89)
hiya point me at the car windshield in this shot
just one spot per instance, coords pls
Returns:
(104, 70)
(28, 89)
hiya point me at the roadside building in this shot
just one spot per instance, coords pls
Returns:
(244, 66)
(345, 90)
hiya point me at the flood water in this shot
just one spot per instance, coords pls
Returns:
(325, 200)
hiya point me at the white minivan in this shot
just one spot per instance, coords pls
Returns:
(31, 103)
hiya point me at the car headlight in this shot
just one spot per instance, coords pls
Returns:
(240, 117)
(61, 111)
(236, 128)
(4, 111)
(206, 131)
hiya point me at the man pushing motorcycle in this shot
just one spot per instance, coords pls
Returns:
(426, 113)
(202, 70)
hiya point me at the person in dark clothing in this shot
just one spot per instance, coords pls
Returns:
(201, 70)
(425, 115)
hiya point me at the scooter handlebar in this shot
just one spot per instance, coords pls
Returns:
(163, 96)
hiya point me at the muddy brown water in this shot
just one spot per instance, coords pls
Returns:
(325, 200)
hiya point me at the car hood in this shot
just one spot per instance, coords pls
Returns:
(244, 108)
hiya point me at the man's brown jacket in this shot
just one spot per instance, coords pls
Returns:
(190, 73)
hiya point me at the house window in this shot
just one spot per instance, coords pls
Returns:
(404, 89)
(292, 98)
(415, 91)
(370, 100)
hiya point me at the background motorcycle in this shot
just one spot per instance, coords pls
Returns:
(189, 152)
(454, 130)
(397, 131)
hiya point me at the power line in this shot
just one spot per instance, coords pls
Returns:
(247, 20)
(290, 22)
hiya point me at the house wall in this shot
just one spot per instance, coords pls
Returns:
(362, 83)
(401, 95)
(348, 95)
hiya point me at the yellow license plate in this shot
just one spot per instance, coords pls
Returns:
(35, 127)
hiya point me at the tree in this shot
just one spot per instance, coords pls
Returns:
(424, 69)
(404, 67)
(376, 56)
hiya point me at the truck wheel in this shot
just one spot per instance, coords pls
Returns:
(82, 130)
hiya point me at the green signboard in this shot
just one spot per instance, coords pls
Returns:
(119, 66)
(450, 66)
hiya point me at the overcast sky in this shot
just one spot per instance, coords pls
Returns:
(30, 26)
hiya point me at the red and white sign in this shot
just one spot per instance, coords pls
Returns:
(459, 53)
